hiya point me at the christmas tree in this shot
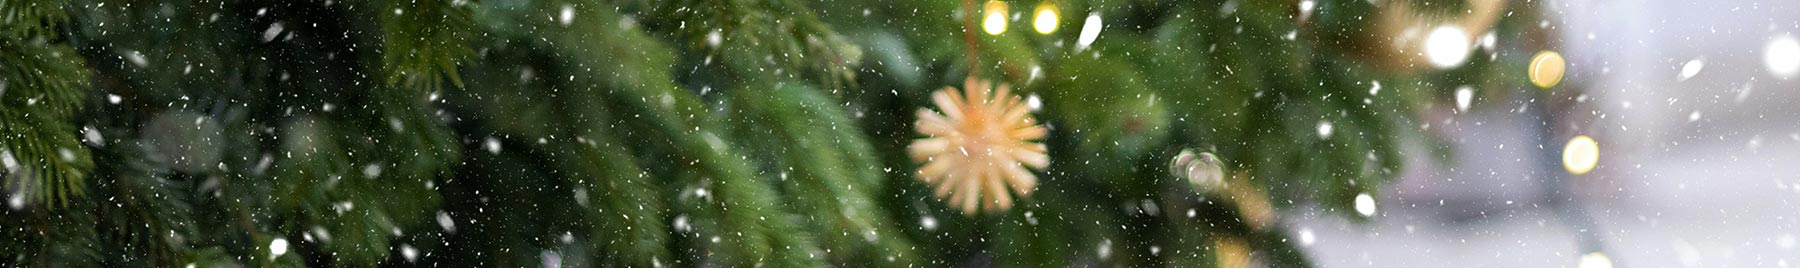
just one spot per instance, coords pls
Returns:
(706, 133)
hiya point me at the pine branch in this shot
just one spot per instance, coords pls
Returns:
(149, 214)
(629, 224)
(739, 209)
(322, 181)
(743, 33)
(40, 237)
(21, 19)
(423, 41)
(409, 135)
(823, 161)
(41, 86)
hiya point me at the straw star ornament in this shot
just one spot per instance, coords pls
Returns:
(979, 147)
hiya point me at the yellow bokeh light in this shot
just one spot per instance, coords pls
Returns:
(1581, 155)
(1595, 260)
(994, 20)
(1546, 69)
(1046, 19)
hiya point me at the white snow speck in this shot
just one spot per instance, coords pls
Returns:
(137, 58)
(1691, 68)
(1687, 254)
(1487, 41)
(929, 223)
(713, 141)
(551, 259)
(1036, 71)
(1782, 56)
(492, 145)
(1105, 249)
(16, 201)
(1324, 129)
(92, 136)
(567, 17)
(321, 233)
(1694, 116)
(372, 171)
(1307, 237)
(681, 224)
(1034, 102)
(262, 165)
(444, 220)
(1306, 9)
(714, 38)
(114, 98)
(411, 254)
(1785, 242)
(396, 125)
(1464, 95)
(7, 161)
(581, 197)
(278, 247)
(1365, 204)
(1090, 30)
(1447, 46)
(1743, 92)
(274, 30)
(1376, 88)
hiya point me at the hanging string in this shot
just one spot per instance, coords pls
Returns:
(969, 15)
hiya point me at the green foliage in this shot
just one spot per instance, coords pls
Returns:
(780, 36)
(688, 133)
(733, 210)
(422, 41)
(41, 87)
(629, 200)
(22, 19)
(825, 165)
(354, 199)
(148, 211)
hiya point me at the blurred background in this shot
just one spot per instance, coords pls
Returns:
(1695, 170)
(824, 133)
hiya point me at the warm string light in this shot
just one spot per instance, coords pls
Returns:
(1447, 46)
(994, 17)
(1595, 260)
(1046, 18)
(1546, 69)
(1782, 56)
(1581, 155)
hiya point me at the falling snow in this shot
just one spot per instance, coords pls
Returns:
(798, 133)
